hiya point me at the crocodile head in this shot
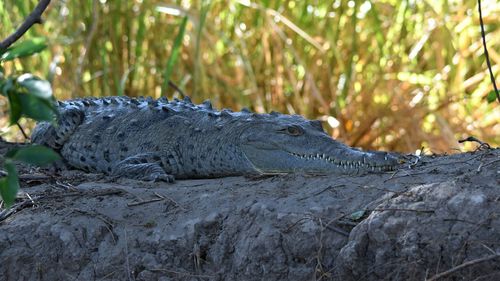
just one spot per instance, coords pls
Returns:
(289, 143)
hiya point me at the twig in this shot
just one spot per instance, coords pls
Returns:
(338, 230)
(321, 191)
(66, 186)
(31, 200)
(463, 265)
(319, 264)
(330, 222)
(479, 167)
(295, 223)
(22, 131)
(487, 164)
(16, 208)
(173, 86)
(137, 203)
(34, 17)
(486, 55)
(417, 159)
(348, 223)
(171, 200)
(19, 206)
(184, 274)
(33, 177)
(489, 249)
(92, 193)
(491, 162)
(461, 220)
(402, 209)
(127, 262)
(331, 186)
(482, 145)
(413, 174)
(395, 173)
(160, 198)
(109, 225)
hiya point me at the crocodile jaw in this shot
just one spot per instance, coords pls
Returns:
(365, 163)
(341, 161)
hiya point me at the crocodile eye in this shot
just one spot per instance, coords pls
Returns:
(294, 130)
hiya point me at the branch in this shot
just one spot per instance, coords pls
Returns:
(487, 56)
(462, 266)
(176, 88)
(34, 17)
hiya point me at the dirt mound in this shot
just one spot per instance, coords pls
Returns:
(440, 217)
(426, 230)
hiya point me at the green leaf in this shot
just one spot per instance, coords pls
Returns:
(36, 108)
(35, 155)
(29, 96)
(11, 152)
(35, 85)
(357, 215)
(173, 57)
(9, 185)
(24, 49)
(491, 97)
(15, 107)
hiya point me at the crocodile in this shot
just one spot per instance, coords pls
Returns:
(161, 140)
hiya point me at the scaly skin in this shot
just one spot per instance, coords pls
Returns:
(158, 140)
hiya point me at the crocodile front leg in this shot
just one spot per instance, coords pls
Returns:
(146, 166)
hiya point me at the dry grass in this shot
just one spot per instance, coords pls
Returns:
(396, 75)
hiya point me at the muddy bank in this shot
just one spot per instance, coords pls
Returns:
(440, 217)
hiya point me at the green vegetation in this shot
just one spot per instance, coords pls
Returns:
(396, 75)
(31, 97)
(34, 155)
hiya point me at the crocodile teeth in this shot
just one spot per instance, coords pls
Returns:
(343, 164)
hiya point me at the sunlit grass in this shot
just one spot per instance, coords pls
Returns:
(394, 75)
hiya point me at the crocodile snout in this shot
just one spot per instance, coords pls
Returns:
(383, 159)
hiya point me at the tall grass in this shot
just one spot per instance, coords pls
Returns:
(397, 75)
